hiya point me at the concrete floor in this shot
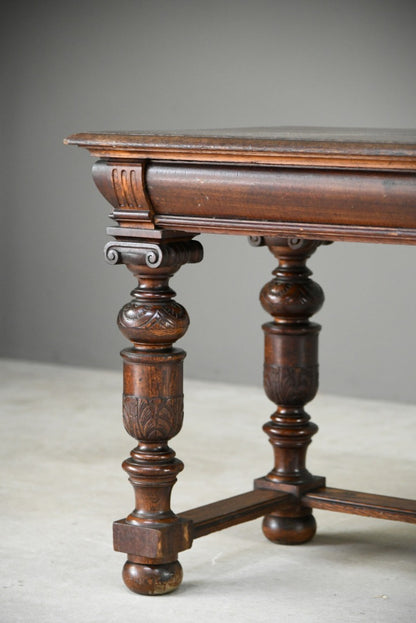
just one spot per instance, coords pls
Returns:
(62, 445)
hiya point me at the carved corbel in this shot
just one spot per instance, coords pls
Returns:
(123, 184)
(153, 255)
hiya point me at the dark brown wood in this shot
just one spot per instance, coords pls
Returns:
(322, 231)
(358, 503)
(152, 535)
(291, 189)
(282, 194)
(232, 511)
(123, 185)
(290, 381)
(153, 539)
(297, 146)
(206, 182)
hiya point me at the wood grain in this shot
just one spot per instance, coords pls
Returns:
(291, 189)
(232, 511)
(316, 183)
(358, 503)
(321, 146)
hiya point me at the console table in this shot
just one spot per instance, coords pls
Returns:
(292, 190)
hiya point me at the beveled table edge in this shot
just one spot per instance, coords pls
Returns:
(305, 147)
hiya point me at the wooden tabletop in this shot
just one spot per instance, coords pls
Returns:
(321, 183)
(311, 146)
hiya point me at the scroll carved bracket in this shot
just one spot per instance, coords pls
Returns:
(153, 255)
(117, 252)
(291, 243)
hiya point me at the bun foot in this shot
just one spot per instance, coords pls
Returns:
(289, 530)
(152, 579)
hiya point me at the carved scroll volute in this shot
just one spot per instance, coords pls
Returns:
(124, 187)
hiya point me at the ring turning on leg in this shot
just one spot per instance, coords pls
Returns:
(152, 535)
(290, 381)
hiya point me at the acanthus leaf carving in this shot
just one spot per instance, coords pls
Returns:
(291, 385)
(152, 419)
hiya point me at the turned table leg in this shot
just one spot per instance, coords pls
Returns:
(290, 381)
(152, 535)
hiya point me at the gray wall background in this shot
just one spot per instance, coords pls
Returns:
(99, 65)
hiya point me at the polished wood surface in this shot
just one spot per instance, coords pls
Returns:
(330, 184)
(358, 503)
(358, 147)
(291, 190)
(290, 381)
(232, 511)
(152, 535)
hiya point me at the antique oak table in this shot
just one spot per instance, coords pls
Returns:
(291, 189)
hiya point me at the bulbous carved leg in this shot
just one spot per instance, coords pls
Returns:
(290, 381)
(152, 535)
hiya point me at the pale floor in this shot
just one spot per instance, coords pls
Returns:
(62, 445)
